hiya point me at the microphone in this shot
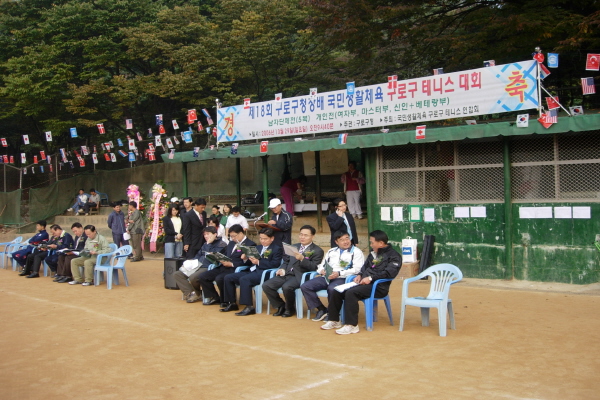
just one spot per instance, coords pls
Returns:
(265, 213)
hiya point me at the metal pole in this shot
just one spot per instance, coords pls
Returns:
(508, 256)
(238, 180)
(56, 167)
(184, 179)
(318, 190)
(4, 178)
(265, 176)
(370, 187)
(20, 178)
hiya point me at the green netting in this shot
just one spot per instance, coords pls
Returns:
(10, 207)
(56, 198)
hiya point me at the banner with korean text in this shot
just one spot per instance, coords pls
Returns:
(490, 90)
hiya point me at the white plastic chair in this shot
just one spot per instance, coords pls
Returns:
(7, 246)
(442, 276)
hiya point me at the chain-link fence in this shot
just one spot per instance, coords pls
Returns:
(454, 172)
(557, 167)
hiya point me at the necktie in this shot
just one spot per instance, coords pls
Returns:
(263, 251)
(201, 219)
(302, 248)
(348, 226)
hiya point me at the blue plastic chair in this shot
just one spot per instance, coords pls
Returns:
(14, 248)
(7, 246)
(101, 257)
(371, 305)
(114, 263)
(258, 290)
(103, 199)
(50, 252)
(442, 276)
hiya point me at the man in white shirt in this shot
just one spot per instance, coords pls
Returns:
(80, 201)
(345, 260)
(93, 201)
(236, 218)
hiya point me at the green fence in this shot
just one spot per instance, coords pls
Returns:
(10, 207)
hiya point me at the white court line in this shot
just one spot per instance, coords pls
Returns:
(147, 326)
(306, 387)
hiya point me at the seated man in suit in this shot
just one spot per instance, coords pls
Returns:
(345, 260)
(283, 220)
(60, 240)
(193, 224)
(383, 263)
(187, 276)
(63, 271)
(218, 274)
(20, 256)
(289, 275)
(270, 257)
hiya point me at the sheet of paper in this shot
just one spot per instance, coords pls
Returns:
(429, 214)
(543, 212)
(415, 213)
(562, 212)
(397, 213)
(385, 214)
(582, 212)
(526, 212)
(461, 212)
(479, 212)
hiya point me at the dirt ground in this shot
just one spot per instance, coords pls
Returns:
(514, 340)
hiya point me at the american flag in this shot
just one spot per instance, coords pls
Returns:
(588, 86)
(552, 116)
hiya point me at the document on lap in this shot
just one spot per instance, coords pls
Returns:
(345, 286)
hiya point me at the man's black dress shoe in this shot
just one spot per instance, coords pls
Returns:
(230, 307)
(249, 310)
(209, 301)
(279, 311)
(33, 275)
(288, 314)
(24, 273)
(65, 279)
(223, 305)
(57, 278)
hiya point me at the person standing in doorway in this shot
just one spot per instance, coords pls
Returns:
(288, 189)
(352, 179)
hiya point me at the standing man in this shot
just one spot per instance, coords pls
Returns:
(352, 179)
(383, 263)
(135, 227)
(289, 188)
(236, 218)
(345, 260)
(194, 223)
(269, 257)
(187, 206)
(94, 245)
(116, 223)
(282, 220)
(20, 256)
(289, 275)
(93, 201)
(64, 258)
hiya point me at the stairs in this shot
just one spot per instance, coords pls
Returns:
(99, 221)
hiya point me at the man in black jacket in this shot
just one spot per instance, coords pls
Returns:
(194, 223)
(63, 272)
(282, 220)
(270, 257)
(289, 275)
(383, 263)
(60, 240)
(218, 274)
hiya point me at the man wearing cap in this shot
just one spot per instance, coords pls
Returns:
(282, 220)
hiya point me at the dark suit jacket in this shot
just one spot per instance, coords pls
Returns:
(309, 263)
(336, 223)
(274, 258)
(284, 222)
(192, 230)
(237, 254)
(170, 230)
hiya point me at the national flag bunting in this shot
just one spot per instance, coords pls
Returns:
(159, 119)
(438, 71)
(73, 132)
(101, 129)
(48, 136)
(161, 129)
(420, 132)
(522, 120)
(592, 62)
(246, 103)
(234, 148)
(128, 124)
(26, 139)
(342, 138)
(588, 86)
(552, 102)
(576, 110)
(175, 124)
(264, 146)
(4, 142)
(171, 154)
(544, 72)
(196, 151)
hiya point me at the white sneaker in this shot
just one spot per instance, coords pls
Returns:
(331, 325)
(69, 209)
(347, 329)
(87, 284)
(359, 216)
(74, 283)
